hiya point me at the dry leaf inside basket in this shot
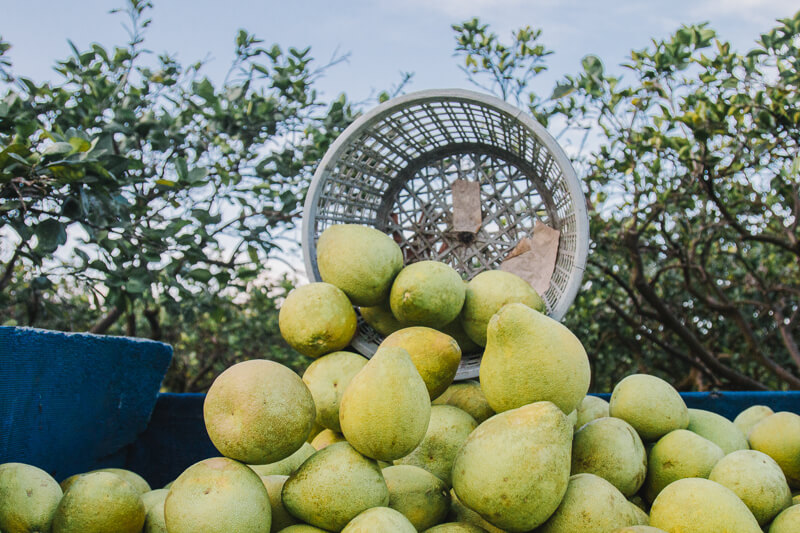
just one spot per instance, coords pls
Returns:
(534, 258)
(466, 206)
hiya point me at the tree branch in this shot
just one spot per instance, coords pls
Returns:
(107, 321)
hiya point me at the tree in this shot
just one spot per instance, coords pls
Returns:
(692, 173)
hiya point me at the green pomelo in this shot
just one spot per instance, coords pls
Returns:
(487, 293)
(380, 520)
(326, 438)
(750, 417)
(639, 529)
(610, 448)
(462, 514)
(420, 496)
(435, 355)
(456, 330)
(333, 486)
(380, 318)
(427, 293)
(677, 455)
(469, 397)
(778, 436)
(449, 427)
(67, 482)
(385, 410)
(29, 497)
(316, 319)
(154, 521)
(280, 516)
(455, 527)
(786, 522)
(99, 502)
(757, 479)
(530, 357)
(718, 430)
(258, 412)
(286, 466)
(591, 408)
(696, 505)
(590, 505)
(218, 495)
(360, 260)
(302, 528)
(513, 469)
(641, 518)
(327, 378)
(651, 405)
(137, 482)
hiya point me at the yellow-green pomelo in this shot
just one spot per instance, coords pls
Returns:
(258, 412)
(286, 466)
(514, 468)
(360, 260)
(573, 418)
(639, 529)
(591, 408)
(679, 454)
(99, 502)
(385, 410)
(435, 355)
(796, 499)
(651, 405)
(750, 417)
(136, 481)
(316, 319)
(302, 528)
(778, 436)
(487, 293)
(590, 505)
(610, 448)
(333, 486)
(380, 520)
(280, 516)
(154, 511)
(641, 518)
(326, 378)
(469, 397)
(788, 521)
(696, 505)
(315, 430)
(420, 496)
(757, 479)
(29, 497)
(455, 527)
(449, 427)
(326, 438)
(456, 330)
(67, 482)
(380, 318)
(218, 495)
(462, 514)
(530, 357)
(718, 430)
(427, 293)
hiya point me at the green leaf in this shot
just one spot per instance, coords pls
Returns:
(51, 234)
(202, 275)
(58, 148)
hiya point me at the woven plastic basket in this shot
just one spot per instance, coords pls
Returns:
(393, 169)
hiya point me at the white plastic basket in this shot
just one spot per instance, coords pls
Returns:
(392, 169)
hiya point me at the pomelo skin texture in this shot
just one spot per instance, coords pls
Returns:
(136, 481)
(513, 469)
(591, 408)
(530, 357)
(696, 505)
(280, 516)
(469, 397)
(258, 412)
(378, 520)
(218, 495)
(435, 355)
(449, 427)
(100, 502)
(778, 436)
(427, 293)
(641, 517)
(750, 417)
(385, 410)
(380, 318)
(326, 438)
(302, 528)
(333, 486)
(456, 330)
(326, 378)
(455, 527)
(284, 467)
(590, 505)
(651, 405)
(718, 430)
(360, 260)
(757, 479)
(29, 497)
(639, 529)
(154, 511)
(610, 448)
(420, 496)
(488, 292)
(316, 319)
(788, 521)
(462, 514)
(679, 454)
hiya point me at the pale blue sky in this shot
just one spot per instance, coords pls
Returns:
(384, 37)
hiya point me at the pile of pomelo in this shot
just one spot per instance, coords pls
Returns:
(391, 444)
